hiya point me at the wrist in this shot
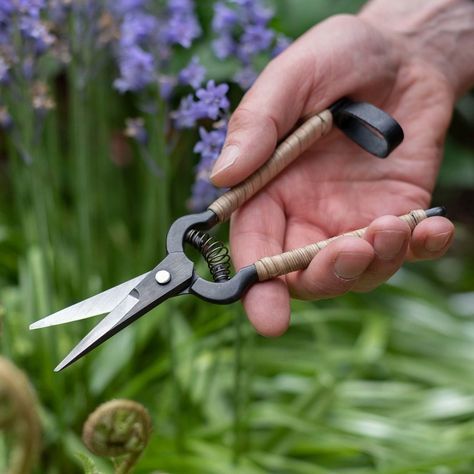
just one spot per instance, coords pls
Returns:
(437, 32)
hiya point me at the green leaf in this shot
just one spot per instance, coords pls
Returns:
(88, 464)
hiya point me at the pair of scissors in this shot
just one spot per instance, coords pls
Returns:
(371, 128)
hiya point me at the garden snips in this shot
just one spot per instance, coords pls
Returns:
(365, 124)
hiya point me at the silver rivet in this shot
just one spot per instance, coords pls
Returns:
(163, 277)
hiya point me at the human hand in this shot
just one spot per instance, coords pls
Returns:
(335, 187)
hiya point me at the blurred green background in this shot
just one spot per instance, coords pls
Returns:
(367, 383)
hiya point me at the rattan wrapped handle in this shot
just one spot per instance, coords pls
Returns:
(299, 259)
(286, 152)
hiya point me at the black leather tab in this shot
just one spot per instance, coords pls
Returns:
(368, 126)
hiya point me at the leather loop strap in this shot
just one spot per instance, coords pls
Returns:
(371, 128)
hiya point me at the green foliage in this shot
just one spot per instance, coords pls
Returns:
(88, 464)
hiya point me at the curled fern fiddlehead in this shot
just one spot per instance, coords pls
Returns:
(19, 419)
(119, 429)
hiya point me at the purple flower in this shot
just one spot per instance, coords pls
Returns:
(209, 147)
(6, 9)
(213, 99)
(224, 46)
(36, 31)
(121, 7)
(258, 13)
(167, 84)
(193, 74)
(182, 30)
(243, 32)
(137, 70)
(180, 6)
(245, 77)
(282, 42)
(224, 19)
(3, 70)
(5, 118)
(202, 194)
(255, 39)
(210, 144)
(187, 113)
(30, 8)
(182, 26)
(138, 28)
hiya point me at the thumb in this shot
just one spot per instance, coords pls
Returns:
(266, 113)
(313, 72)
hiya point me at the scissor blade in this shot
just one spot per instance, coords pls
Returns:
(99, 304)
(142, 298)
(101, 332)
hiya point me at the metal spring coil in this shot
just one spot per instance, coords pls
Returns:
(214, 252)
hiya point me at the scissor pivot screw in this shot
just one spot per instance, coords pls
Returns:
(163, 277)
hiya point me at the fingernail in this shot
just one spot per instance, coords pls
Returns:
(226, 159)
(388, 243)
(437, 242)
(350, 265)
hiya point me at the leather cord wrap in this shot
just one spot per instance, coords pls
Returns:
(299, 259)
(286, 152)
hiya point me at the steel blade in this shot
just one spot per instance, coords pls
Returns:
(149, 293)
(101, 332)
(95, 305)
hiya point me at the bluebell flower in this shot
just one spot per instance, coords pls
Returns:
(242, 31)
(35, 30)
(224, 18)
(182, 26)
(31, 8)
(6, 9)
(187, 113)
(137, 70)
(180, 6)
(224, 46)
(213, 99)
(183, 30)
(138, 28)
(202, 194)
(282, 42)
(209, 147)
(5, 118)
(258, 13)
(210, 144)
(255, 39)
(193, 74)
(121, 7)
(4, 68)
(167, 84)
(245, 77)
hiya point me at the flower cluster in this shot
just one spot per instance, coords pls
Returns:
(209, 102)
(242, 28)
(23, 16)
(146, 36)
(209, 147)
